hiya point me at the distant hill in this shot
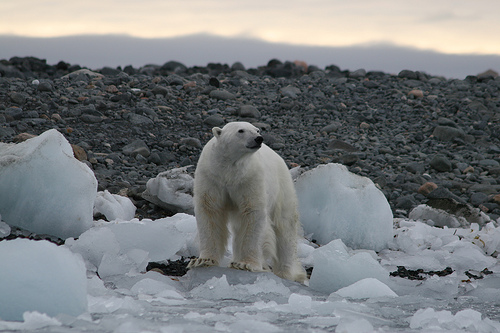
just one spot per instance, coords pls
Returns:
(116, 50)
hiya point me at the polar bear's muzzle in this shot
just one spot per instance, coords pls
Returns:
(256, 143)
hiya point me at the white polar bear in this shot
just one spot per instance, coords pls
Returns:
(242, 184)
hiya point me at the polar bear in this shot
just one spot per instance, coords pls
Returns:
(244, 187)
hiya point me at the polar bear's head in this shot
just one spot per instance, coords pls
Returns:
(238, 137)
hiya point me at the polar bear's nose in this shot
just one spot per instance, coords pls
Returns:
(259, 139)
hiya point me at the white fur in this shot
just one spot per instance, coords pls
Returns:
(247, 190)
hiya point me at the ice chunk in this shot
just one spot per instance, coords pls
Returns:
(44, 188)
(335, 203)
(354, 325)
(32, 321)
(437, 217)
(161, 238)
(468, 319)
(264, 287)
(366, 288)
(154, 287)
(335, 268)
(4, 229)
(256, 326)
(114, 206)
(134, 261)
(40, 276)
(94, 243)
(118, 248)
(172, 190)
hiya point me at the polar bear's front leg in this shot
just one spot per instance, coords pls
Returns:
(249, 226)
(212, 232)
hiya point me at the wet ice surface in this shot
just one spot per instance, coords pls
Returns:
(125, 299)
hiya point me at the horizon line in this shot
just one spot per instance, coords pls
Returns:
(371, 44)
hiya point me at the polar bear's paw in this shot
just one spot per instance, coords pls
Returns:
(245, 266)
(202, 262)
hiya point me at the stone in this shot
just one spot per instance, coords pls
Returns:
(415, 167)
(214, 120)
(358, 73)
(44, 86)
(249, 111)
(416, 93)
(79, 152)
(23, 137)
(18, 98)
(191, 142)
(364, 125)
(138, 119)
(222, 95)
(446, 133)
(478, 198)
(341, 145)
(441, 163)
(290, 91)
(407, 74)
(331, 127)
(135, 148)
(427, 188)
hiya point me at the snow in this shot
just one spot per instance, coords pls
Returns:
(40, 276)
(40, 179)
(113, 206)
(97, 282)
(330, 198)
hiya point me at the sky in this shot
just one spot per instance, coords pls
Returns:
(447, 26)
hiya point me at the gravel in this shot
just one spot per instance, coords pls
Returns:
(402, 131)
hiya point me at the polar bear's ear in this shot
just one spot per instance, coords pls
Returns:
(216, 131)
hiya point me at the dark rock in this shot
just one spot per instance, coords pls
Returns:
(14, 113)
(191, 142)
(407, 74)
(341, 145)
(446, 133)
(18, 98)
(214, 120)
(172, 67)
(441, 163)
(415, 167)
(44, 86)
(135, 148)
(478, 198)
(249, 111)
(222, 95)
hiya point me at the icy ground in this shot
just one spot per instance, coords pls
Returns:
(366, 297)
(421, 279)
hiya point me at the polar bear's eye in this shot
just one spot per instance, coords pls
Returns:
(241, 131)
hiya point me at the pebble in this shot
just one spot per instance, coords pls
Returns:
(440, 163)
(417, 136)
(249, 111)
(427, 188)
(222, 95)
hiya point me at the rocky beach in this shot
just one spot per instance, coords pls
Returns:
(420, 138)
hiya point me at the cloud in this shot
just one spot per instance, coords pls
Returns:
(446, 16)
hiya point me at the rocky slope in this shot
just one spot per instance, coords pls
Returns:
(402, 131)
